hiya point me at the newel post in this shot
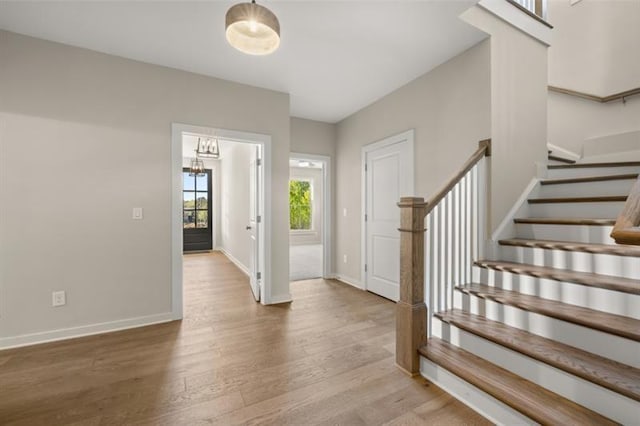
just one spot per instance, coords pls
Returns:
(411, 311)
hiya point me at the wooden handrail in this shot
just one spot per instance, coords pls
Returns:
(596, 98)
(484, 149)
(627, 227)
(411, 311)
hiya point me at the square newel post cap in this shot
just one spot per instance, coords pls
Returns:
(411, 202)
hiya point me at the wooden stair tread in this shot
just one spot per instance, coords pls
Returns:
(614, 249)
(565, 221)
(587, 165)
(561, 159)
(589, 179)
(609, 323)
(533, 401)
(615, 376)
(610, 282)
(603, 199)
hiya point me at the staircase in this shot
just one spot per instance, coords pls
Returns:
(549, 330)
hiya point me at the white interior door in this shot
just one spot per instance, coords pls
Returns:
(388, 176)
(254, 224)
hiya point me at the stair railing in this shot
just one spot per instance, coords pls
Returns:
(455, 219)
(627, 227)
(602, 99)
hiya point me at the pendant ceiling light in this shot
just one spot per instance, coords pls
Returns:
(208, 148)
(197, 167)
(252, 29)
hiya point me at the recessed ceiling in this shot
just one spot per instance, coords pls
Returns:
(335, 58)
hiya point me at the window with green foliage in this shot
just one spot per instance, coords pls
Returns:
(300, 204)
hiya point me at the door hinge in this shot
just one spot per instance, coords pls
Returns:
(365, 167)
(365, 267)
(366, 217)
(259, 162)
(259, 219)
(259, 275)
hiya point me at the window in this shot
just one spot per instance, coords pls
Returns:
(195, 198)
(300, 204)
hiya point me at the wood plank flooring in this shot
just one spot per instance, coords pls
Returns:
(326, 358)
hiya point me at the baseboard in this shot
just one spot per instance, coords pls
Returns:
(282, 298)
(85, 330)
(506, 229)
(565, 153)
(495, 411)
(235, 261)
(348, 280)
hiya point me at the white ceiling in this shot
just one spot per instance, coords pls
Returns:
(336, 57)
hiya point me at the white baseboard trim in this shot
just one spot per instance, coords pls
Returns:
(506, 229)
(282, 298)
(348, 280)
(235, 261)
(496, 411)
(84, 330)
(570, 155)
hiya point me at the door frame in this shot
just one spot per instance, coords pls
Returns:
(264, 233)
(407, 136)
(327, 243)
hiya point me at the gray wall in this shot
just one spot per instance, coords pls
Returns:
(94, 133)
(449, 108)
(595, 50)
(518, 110)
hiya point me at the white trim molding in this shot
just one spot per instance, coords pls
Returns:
(516, 18)
(327, 242)
(264, 258)
(407, 136)
(83, 330)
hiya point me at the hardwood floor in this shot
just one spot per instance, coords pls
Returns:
(326, 358)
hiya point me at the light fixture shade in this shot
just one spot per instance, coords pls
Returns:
(208, 148)
(252, 29)
(197, 167)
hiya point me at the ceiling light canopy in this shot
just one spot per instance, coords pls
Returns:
(252, 29)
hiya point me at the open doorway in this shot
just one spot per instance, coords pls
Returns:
(218, 203)
(309, 217)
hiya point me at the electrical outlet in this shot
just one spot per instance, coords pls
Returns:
(344, 212)
(58, 298)
(344, 258)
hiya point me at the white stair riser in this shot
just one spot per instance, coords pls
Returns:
(581, 210)
(583, 392)
(590, 171)
(587, 189)
(607, 345)
(612, 302)
(575, 233)
(495, 411)
(604, 264)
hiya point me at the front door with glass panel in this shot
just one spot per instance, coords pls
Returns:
(196, 211)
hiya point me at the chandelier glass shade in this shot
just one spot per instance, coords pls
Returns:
(208, 148)
(252, 29)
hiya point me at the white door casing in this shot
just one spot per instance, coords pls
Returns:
(254, 224)
(388, 175)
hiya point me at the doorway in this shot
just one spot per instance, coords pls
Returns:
(309, 216)
(387, 168)
(228, 201)
(197, 210)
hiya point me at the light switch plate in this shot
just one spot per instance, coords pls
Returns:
(137, 213)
